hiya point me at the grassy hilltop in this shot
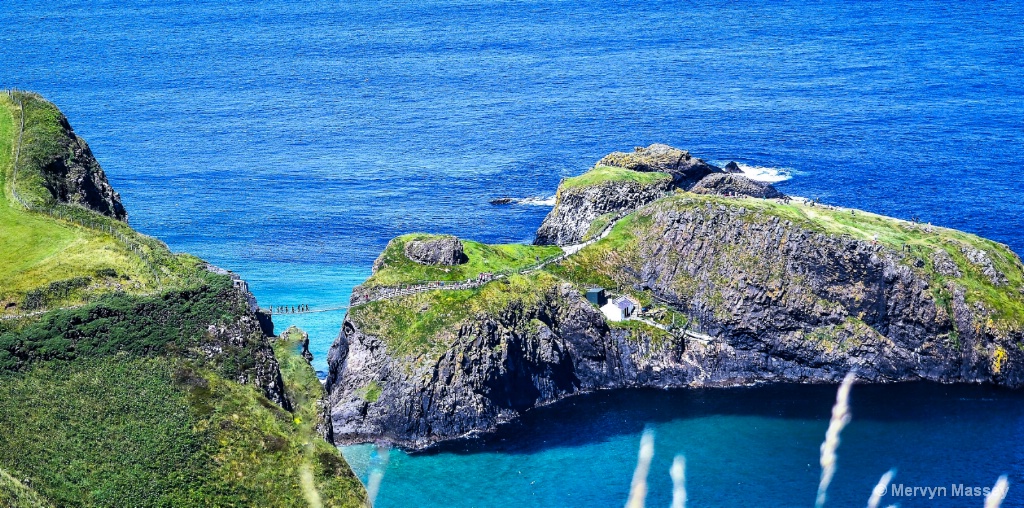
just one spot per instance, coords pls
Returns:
(604, 174)
(46, 262)
(129, 375)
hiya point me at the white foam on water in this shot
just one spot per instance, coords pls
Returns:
(763, 173)
(537, 201)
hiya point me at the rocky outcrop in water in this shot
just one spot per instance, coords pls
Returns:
(577, 208)
(735, 185)
(442, 250)
(732, 167)
(763, 299)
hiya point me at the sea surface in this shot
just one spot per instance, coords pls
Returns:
(288, 141)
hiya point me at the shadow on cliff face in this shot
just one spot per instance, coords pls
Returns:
(596, 417)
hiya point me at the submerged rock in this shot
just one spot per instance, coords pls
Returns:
(502, 201)
(442, 250)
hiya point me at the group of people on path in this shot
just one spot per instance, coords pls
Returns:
(290, 309)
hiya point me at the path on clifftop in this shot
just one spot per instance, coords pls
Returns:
(368, 295)
(384, 293)
(389, 292)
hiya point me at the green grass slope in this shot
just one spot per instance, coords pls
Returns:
(396, 269)
(131, 376)
(602, 174)
(131, 431)
(13, 494)
(307, 395)
(129, 401)
(47, 263)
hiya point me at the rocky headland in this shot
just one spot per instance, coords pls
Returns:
(622, 182)
(132, 375)
(735, 290)
(56, 161)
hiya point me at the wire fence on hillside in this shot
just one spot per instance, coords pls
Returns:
(364, 295)
(66, 212)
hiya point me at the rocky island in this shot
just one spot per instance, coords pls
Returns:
(735, 284)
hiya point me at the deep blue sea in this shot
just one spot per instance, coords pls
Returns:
(288, 141)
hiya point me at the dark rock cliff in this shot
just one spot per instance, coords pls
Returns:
(763, 299)
(686, 170)
(578, 207)
(735, 185)
(443, 250)
(245, 336)
(73, 176)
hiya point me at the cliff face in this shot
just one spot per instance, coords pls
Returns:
(758, 296)
(75, 177)
(810, 305)
(245, 337)
(580, 204)
(54, 158)
(577, 208)
(498, 366)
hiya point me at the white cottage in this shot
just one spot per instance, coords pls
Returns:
(620, 308)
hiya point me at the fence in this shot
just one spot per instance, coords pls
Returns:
(65, 214)
(367, 295)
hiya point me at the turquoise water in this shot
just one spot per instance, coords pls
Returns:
(289, 141)
(743, 447)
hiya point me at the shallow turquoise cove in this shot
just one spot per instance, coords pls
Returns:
(744, 447)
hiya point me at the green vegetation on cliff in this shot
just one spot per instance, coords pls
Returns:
(131, 376)
(394, 268)
(13, 494)
(602, 174)
(129, 431)
(130, 401)
(173, 322)
(428, 322)
(40, 142)
(45, 262)
(602, 263)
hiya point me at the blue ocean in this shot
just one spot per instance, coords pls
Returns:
(289, 141)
